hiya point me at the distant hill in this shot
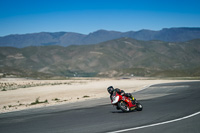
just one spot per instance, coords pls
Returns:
(119, 57)
(70, 38)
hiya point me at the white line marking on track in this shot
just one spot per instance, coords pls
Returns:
(156, 124)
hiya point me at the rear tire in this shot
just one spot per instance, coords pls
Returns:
(122, 106)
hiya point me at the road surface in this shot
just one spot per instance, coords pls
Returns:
(167, 108)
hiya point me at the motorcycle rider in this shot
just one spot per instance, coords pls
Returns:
(110, 90)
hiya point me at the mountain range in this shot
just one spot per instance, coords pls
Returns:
(118, 57)
(70, 38)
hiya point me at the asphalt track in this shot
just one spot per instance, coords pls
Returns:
(162, 103)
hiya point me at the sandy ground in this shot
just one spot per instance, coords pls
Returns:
(21, 94)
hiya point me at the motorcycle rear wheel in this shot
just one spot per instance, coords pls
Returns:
(122, 106)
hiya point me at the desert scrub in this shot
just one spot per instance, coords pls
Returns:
(86, 96)
(36, 101)
(3, 90)
(14, 86)
(21, 104)
(56, 99)
(39, 102)
(59, 100)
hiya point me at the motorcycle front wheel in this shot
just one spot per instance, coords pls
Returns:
(122, 106)
(139, 107)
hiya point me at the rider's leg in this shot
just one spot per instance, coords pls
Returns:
(131, 97)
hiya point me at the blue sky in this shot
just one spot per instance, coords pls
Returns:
(85, 16)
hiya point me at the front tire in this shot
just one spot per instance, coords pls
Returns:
(139, 107)
(122, 105)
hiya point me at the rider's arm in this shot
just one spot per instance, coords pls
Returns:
(121, 92)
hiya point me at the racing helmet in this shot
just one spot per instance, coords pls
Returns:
(110, 89)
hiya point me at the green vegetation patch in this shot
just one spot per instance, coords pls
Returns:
(86, 96)
(39, 102)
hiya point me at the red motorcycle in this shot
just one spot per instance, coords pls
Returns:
(125, 103)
